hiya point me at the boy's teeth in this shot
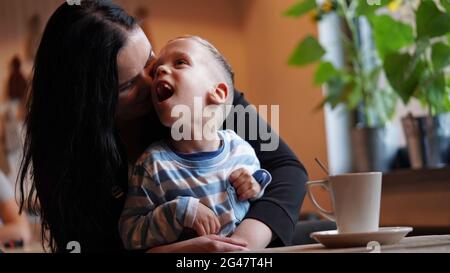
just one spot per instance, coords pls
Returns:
(164, 91)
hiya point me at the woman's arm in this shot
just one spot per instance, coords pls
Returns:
(255, 233)
(15, 227)
(278, 209)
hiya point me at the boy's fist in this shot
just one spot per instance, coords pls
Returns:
(245, 184)
(206, 221)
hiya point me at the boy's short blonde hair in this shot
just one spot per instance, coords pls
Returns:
(224, 65)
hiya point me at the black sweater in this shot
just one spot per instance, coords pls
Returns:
(280, 205)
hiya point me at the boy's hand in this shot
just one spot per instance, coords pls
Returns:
(206, 221)
(245, 184)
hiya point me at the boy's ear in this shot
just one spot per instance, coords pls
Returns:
(219, 94)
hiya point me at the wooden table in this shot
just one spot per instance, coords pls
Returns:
(417, 244)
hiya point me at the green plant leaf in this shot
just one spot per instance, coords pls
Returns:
(430, 21)
(447, 103)
(369, 7)
(390, 35)
(324, 73)
(447, 93)
(440, 56)
(342, 89)
(339, 89)
(434, 91)
(300, 8)
(385, 102)
(308, 51)
(354, 97)
(374, 74)
(335, 88)
(403, 74)
(446, 5)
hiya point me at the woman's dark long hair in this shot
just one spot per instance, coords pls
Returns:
(72, 155)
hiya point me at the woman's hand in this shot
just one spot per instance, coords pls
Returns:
(15, 227)
(203, 244)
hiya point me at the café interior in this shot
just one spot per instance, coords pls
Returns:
(295, 56)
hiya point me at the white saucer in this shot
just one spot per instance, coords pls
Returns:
(384, 236)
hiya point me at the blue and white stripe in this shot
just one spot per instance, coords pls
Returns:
(165, 190)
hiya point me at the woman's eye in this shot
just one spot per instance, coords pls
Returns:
(153, 71)
(126, 87)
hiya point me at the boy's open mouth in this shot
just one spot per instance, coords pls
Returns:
(163, 91)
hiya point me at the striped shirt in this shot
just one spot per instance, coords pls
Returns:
(166, 188)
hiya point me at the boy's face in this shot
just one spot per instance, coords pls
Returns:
(181, 73)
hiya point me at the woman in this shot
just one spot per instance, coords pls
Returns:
(90, 115)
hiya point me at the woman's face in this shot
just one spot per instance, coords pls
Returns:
(133, 65)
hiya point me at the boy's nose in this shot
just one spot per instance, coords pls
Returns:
(162, 70)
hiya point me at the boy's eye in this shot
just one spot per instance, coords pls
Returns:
(180, 62)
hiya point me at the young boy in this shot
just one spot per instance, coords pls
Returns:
(191, 184)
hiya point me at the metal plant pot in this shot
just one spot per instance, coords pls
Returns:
(371, 151)
(428, 140)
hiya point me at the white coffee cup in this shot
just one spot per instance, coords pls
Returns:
(355, 198)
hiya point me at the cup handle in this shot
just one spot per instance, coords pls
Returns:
(324, 184)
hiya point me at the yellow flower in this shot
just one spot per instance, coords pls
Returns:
(314, 15)
(395, 4)
(327, 6)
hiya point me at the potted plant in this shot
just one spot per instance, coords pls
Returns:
(419, 68)
(356, 84)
